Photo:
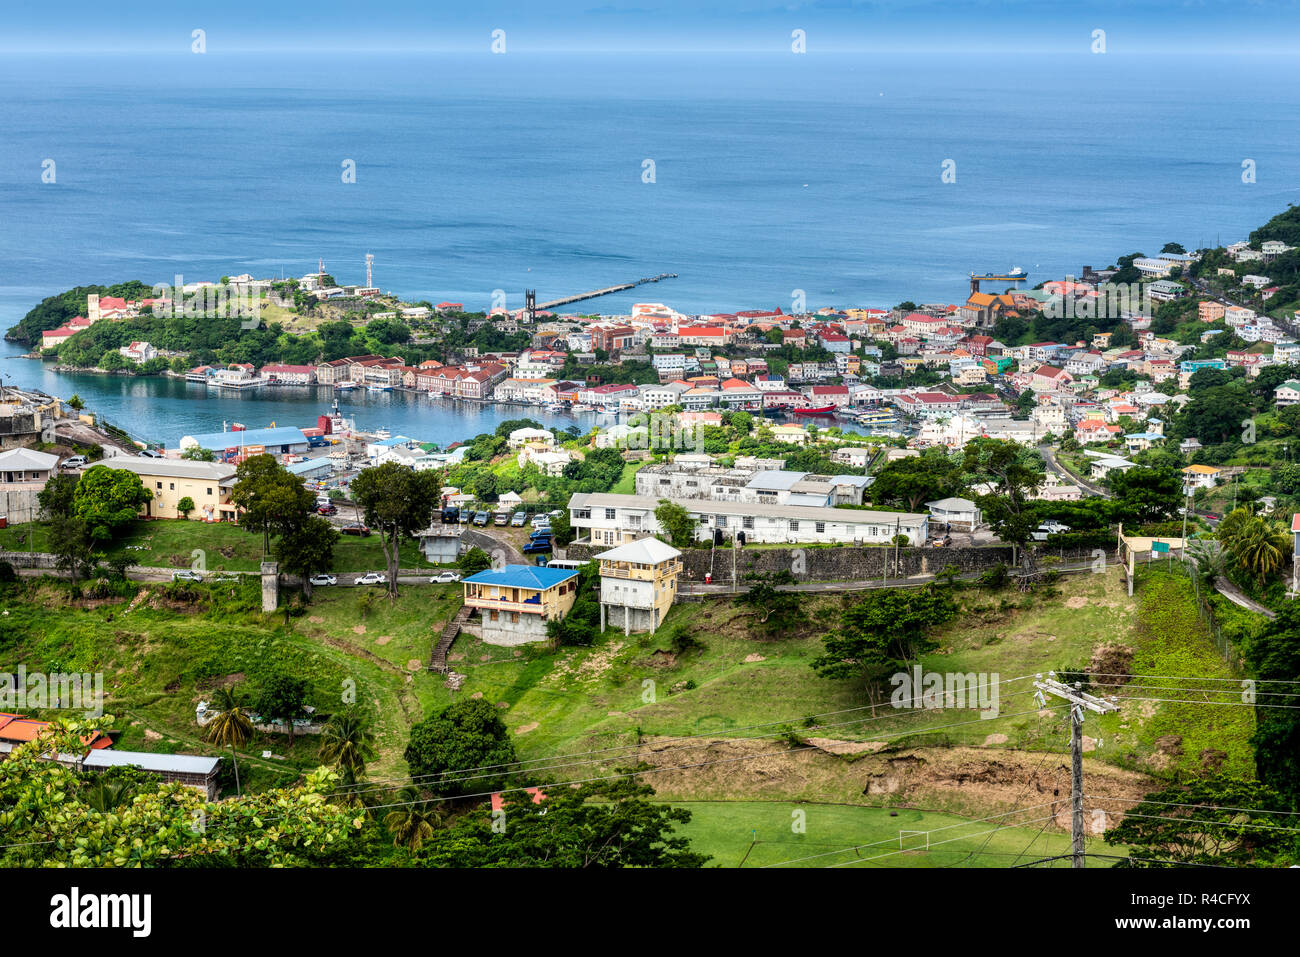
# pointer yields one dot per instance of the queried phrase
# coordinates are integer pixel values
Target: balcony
(498, 604)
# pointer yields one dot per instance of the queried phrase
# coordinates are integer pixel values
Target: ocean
(774, 176)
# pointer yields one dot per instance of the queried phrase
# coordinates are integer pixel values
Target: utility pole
(1078, 701)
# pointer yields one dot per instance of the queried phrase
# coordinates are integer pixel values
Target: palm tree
(348, 742)
(1209, 558)
(106, 796)
(231, 727)
(411, 822)
(1258, 546)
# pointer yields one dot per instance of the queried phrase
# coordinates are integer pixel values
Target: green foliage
(1221, 821)
(399, 502)
(463, 749)
(605, 824)
(887, 629)
(307, 548)
(582, 624)
(281, 697)
(475, 560)
(911, 482)
(677, 524)
(1274, 657)
(108, 500)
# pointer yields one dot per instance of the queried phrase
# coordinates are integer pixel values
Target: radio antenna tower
(370, 262)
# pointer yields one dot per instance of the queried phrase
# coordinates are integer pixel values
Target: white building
(609, 519)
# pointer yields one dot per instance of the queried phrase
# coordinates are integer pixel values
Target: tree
(910, 482)
(602, 824)
(281, 698)
(562, 530)
(884, 631)
(76, 403)
(412, 822)
(742, 422)
(230, 726)
(776, 613)
(307, 549)
(185, 506)
(199, 454)
(1008, 509)
(581, 625)
(47, 821)
(1273, 654)
(398, 501)
(1258, 546)
(107, 500)
(676, 522)
(1220, 821)
(56, 499)
(72, 545)
(463, 749)
(271, 499)
(475, 560)
(348, 742)
(1145, 495)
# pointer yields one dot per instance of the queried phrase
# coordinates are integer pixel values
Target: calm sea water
(476, 173)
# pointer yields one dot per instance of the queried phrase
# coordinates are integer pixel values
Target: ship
(820, 410)
(1015, 272)
(344, 386)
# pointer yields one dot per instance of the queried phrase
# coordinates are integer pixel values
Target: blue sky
(1178, 26)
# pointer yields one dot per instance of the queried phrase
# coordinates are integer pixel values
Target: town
(774, 513)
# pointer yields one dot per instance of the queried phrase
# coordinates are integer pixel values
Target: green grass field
(787, 834)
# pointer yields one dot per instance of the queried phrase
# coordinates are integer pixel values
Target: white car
(444, 578)
(542, 521)
(373, 578)
(323, 580)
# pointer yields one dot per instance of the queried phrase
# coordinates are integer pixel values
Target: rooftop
(522, 576)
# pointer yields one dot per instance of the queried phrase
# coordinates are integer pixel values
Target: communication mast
(370, 262)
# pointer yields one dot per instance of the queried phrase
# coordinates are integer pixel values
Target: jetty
(595, 293)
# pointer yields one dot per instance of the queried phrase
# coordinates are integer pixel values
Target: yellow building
(208, 483)
(638, 584)
(516, 602)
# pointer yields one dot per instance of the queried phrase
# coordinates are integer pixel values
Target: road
(1049, 458)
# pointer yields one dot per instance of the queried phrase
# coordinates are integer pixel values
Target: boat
(344, 386)
(379, 388)
(1017, 273)
(820, 410)
(580, 407)
(382, 434)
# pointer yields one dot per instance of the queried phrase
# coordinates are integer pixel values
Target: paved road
(1049, 457)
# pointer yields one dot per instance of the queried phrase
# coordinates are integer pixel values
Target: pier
(554, 303)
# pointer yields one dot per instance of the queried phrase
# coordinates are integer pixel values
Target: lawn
(789, 834)
(223, 546)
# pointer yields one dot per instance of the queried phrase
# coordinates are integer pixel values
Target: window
(611, 513)
(209, 491)
(159, 484)
(821, 527)
(794, 526)
(749, 521)
(171, 486)
(722, 521)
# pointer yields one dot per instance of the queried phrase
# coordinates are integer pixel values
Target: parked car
(466, 516)
(542, 521)
(224, 577)
(149, 454)
(540, 533)
(330, 509)
(482, 518)
(501, 518)
(444, 578)
(556, 513)
(186, 576)
(323, 579)
(355, 528)
(518, 519)
(450, 515)
(941, 542)
(538, 545)
(373, 578)
(74, 462)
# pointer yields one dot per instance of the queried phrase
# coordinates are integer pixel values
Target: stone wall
(836, 563)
